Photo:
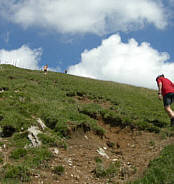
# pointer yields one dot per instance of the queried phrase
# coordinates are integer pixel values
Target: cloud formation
(130, 63)
(7, 37)
(171, 1)
(87, 16)
(23, 57)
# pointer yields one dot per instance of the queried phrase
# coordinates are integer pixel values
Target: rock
(114, 160)
(69, 161)
(1, 90)
(102, 153)
(41, 124)
(33, 132)
(56, 151)
(77, 177)
(132, 146)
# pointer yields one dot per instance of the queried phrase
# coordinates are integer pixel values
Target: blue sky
(128, 41)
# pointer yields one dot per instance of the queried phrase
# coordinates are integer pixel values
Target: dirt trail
(133, 149)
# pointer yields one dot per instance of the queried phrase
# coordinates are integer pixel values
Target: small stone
(115, 160)
(102, 153)
(56, 151)
(77, 177)
(132, 146)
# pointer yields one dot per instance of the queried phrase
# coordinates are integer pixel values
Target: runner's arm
(159, 88)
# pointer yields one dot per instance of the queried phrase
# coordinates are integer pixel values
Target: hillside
(59, 128)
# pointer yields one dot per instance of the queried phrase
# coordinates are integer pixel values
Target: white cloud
(85, 16)
(23, 57)
(131, 63)
(7, 37)
(171, 1)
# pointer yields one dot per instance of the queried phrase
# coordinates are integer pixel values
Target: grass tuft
(59, 170)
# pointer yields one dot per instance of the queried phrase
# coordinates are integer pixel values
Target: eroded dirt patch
(131, 148)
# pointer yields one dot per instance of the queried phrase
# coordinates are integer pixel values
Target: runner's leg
(169, 111)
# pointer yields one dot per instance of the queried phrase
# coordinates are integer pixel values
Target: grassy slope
(31, 94)
(161, 169)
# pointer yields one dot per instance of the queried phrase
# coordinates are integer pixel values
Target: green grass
(22, 161)
(51, 97)
(59, 170)
(11, 173)
(18, 153)
(160, 170)
(109, 172)
(37, 157)
(52, 140)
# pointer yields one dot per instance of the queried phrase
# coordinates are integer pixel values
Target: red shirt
(167, 85)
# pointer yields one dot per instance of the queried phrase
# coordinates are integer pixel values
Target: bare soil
(131, 148)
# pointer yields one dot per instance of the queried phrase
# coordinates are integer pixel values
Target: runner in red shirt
(166, 92)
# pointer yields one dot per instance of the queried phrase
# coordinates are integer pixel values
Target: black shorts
(168, 99)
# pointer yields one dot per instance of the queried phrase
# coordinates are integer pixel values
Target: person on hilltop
(45, 69)
(166, 92)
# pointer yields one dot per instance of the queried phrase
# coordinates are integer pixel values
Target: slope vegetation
(85, 130)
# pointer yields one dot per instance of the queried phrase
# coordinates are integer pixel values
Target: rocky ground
(132, 149)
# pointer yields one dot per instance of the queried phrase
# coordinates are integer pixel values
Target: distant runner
(166, 92)
(45, 69)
